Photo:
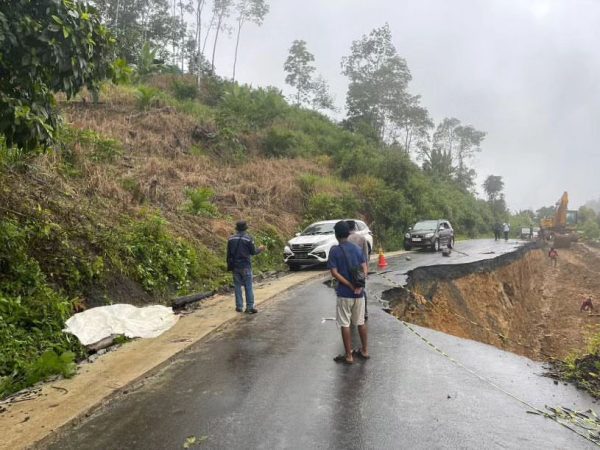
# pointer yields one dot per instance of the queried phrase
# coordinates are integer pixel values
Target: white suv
(313, 244)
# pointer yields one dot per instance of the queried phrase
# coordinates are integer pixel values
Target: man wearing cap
(240, 248)
(350, 299)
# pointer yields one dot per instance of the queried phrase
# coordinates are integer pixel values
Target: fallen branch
(180, 302)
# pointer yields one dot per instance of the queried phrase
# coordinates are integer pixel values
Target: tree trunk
(182, 35)
(212, 62)
(198, 36)
(237, 44)
(174, 14)
(117, 15)
(210, 25)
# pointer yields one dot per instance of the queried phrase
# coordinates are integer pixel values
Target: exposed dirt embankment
(517, 302)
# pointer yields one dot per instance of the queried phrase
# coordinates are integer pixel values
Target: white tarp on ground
(98, 323)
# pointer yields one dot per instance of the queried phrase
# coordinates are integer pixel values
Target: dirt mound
(522, 305)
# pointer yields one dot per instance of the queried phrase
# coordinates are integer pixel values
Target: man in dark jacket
(240, 249)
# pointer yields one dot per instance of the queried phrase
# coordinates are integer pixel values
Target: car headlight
(407, 235)
(288, 250)
(428, 235)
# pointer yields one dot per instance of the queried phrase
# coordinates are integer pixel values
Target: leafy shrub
(133, 186)
(147, 97)
(327, 206)
(54, 46)
(161, 263)
(274, 243)
(591, 230)
(50, 363)
(280, 142)
(308, 185)
(32, 314)
(184, 90)
(212, 89)
(252, 108)
(10, 158)
(200, 202)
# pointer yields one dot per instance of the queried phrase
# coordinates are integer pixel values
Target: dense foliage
(375, 180)
(46, 46)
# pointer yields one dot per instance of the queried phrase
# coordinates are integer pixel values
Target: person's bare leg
(362, 332)
(347, 339)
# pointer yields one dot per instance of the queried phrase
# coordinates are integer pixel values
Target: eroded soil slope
(524, 306)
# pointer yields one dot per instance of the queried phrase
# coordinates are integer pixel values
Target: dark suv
(433, 234)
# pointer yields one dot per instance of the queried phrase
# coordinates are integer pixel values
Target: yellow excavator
(562, 226)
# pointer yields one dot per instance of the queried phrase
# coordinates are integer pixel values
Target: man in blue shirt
(350, 299)
(240, 248)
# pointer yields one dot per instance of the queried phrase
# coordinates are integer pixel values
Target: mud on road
(517, 302)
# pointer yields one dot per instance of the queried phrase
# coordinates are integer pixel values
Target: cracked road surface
(268, 382)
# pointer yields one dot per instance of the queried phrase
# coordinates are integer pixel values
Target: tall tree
(493, 186)
(195, 62)
(56, 46)
(378, 82)
(222, 10)
(310, 90)
(438, 164)
(299, 69)
(135, 22)
(469, 143)
(414, 124)
(248, 11)
(456, 143)
(321, 95)
(185, 7)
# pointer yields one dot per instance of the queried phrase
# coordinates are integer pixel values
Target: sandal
(359, 354)
(342, 359)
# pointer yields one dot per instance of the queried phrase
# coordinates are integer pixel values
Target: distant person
(531, 233)
(587, 305)
(350, 308)
(240, 249)
(553, 255)
(497, 231)
(362, 243)
(506, 229)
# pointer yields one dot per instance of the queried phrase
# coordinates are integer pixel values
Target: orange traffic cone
(382, 262)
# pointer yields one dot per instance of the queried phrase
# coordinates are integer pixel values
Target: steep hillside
(136, 199)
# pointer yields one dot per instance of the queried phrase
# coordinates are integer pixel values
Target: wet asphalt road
(268, 382)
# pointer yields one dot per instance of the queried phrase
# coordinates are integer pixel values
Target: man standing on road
(506, 229)
(350, 300)
(240, 248)
(497, 230)
(361, 241)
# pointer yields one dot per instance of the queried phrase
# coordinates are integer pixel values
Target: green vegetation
(147, 97)
(200, 202)
(32, 314)
(54, 46)
(46, 270)
(582, 369)
(589, 224)
(104, 211)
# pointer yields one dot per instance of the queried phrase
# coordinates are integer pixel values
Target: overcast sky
(524, 71)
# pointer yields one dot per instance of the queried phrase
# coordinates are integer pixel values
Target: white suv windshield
(426, 225)
(318, 228)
